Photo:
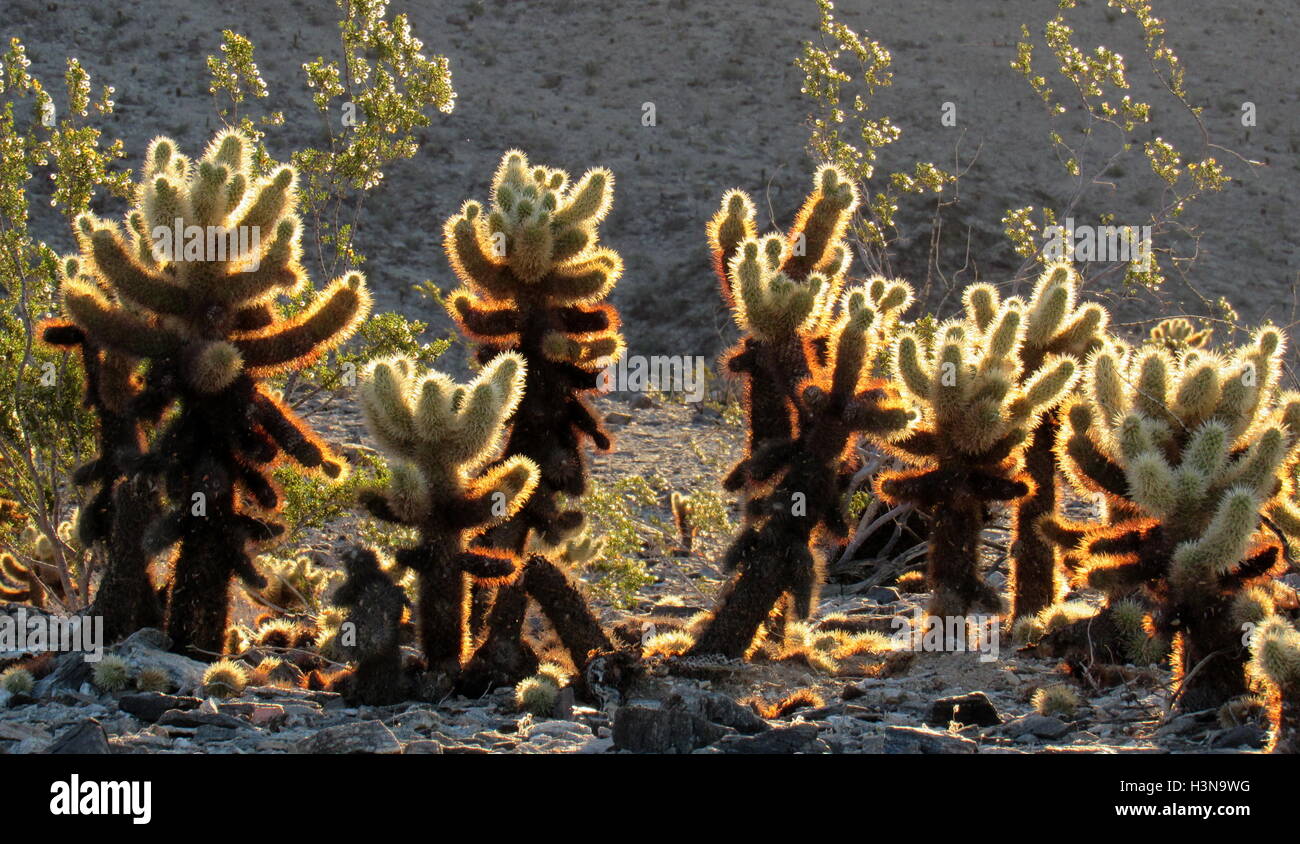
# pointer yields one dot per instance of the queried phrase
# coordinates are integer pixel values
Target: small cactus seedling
(1055, 324)
(537, 695)
(683, 520)
(1058, 699)
(370, 633)
(225, 679)
(1194, 448)
(795, 486)
(123, 503)
(534, 277)
(1275, 662)
(443, 438)
(1178, 335)
(188, 285)
(111, 674)
(980, 403)
(153, 679)
(17, 681)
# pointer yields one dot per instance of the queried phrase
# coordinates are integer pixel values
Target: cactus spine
(1192, 446)
(188, 285)
(980, 402)
(806, 356)
(442, 437)
(534, 277)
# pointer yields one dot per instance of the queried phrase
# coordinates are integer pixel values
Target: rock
(882, 595)
(150, 706)
(644, 730)
(640, 401)
(564, 703)
(210, 733)
(1042, 726)
(69, 673)
(1242, 735)
(149, 648)
(799, 738)
(718, 708)
(87, 737)
(362, 737)
(901, 740)
(969, 709)
(617, 418)
(423, 746)
(198, 718)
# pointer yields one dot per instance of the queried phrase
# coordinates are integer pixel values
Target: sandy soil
(567, 81)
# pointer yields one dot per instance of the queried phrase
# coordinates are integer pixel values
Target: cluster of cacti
(188, 286)
(1275, 663)
(806, 356)
(1188, 452)
(982, 391)
(36, 578)
(295, 585)
(442, 439)
(534, 277)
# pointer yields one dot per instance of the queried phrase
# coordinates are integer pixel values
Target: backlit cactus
(535, 276)
(373, 607)
(806, 359)
(1055, 324)
(442, 438)
(123, 503)
(1194, 448)
(1275, 662)
(782, 289)
(188, 286)
(981, 399)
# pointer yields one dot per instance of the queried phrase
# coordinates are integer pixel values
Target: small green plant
(537, 695)
(111, 674)
(153, 679)
(17, 680)
(1058, 699)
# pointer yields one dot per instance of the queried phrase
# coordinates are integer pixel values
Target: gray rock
(882, 595)
(150, 706)
(969, 709)
(87, 737)
(1042, 726)
(644, 730)
(909, 740)
(198, 718)
(424, 746)
(362, 737)
(718, 708)
(1242, 735)
(799, 738)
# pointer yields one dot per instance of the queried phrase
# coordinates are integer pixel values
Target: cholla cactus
(123, 503)
(684, 520)
(36, 579)
(534, 277)
(795, 485)
(1055, 324)
(781, 289)
(1194, 448)
(981, 400)
(374, 607)
(1275, 662)
(1178, 335)
(442, 438)
(188, 285)
(294, 585)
